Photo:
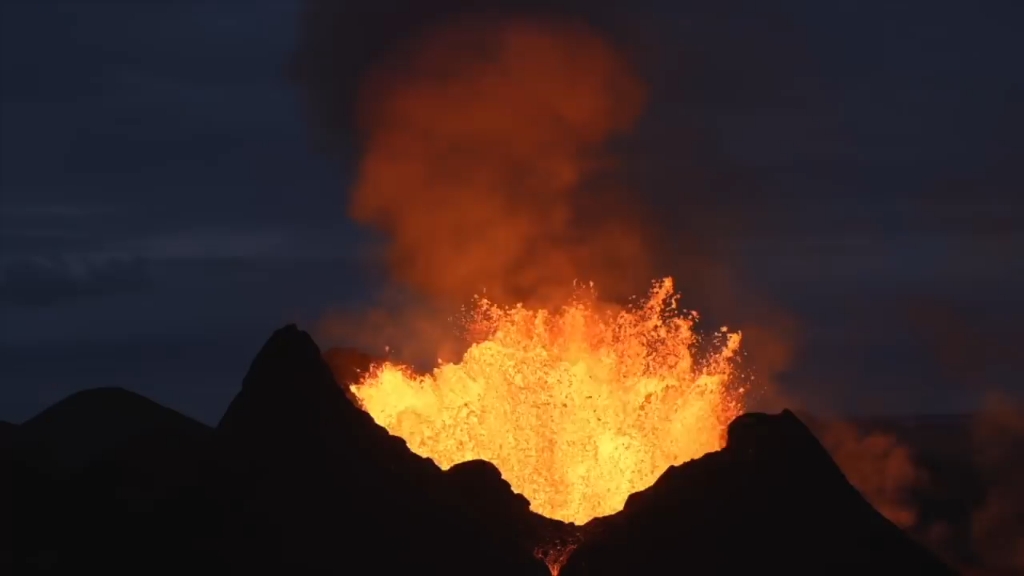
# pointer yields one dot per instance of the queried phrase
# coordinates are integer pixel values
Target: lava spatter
(578, 407)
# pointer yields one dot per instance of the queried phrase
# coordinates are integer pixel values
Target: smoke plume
(489, 143)
(479, 143)
(997, 528)
(541, 191)
(879, 466)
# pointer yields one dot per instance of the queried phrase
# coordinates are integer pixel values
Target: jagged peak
(286, 347)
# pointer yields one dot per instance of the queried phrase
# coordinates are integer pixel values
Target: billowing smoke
(485, 137)
(997, 528)
(880, 466)
(485, 161)
(514, 146)
(482, 140)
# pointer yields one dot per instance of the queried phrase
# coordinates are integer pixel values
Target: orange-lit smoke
(480, 142)
(879, 466)
(997, 528)
(486, 154)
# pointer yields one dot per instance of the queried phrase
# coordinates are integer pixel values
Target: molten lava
(578, 408)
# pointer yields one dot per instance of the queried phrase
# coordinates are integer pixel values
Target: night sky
(854, 167)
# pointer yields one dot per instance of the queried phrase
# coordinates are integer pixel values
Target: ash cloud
(478, 143)
(340, 42)
(515, 146)
(483, 137)
(997, 525)
(880, 466)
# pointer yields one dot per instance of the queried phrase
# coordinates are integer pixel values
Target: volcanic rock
(771, 501)
(942, 490)
(82, 427)
(106, 481)
(297, 479)
(314, 485)
(493, 502)
(7, 434)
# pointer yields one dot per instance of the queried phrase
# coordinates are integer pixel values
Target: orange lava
(556, 555)
(578, 408)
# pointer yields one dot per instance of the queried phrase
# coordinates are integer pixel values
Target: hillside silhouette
(297, 479)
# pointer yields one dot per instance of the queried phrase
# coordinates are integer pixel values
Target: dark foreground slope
(312, 484)
(7, 432)
(296, 479)
(105, 480)
(772, 499)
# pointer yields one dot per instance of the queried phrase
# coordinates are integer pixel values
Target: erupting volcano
(486, 164)
(578, 408)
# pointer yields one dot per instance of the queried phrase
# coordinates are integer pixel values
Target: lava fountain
(578, 407)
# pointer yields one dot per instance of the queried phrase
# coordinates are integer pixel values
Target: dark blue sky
(857, 164)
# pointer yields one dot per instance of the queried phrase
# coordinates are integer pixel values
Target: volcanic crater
(605, 441)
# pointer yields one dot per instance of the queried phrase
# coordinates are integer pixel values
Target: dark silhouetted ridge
(772, 499)
(297, 479)
(314, 483)
(108, 480)
(79, 428)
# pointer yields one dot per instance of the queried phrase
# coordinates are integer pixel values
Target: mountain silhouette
(314, 482)
(297, 479)
(772, 497)
(104, 480)
(82, 427)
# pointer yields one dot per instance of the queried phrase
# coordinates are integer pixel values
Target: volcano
(579, 405)
(297, 478)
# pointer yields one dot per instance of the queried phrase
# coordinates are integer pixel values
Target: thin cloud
(40, 283)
